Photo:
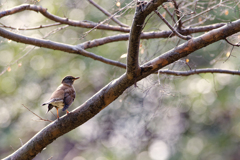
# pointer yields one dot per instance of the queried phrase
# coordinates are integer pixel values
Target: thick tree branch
(61, 20)
(107, 13)
(57, 46)
(114, 89)
(143, 9)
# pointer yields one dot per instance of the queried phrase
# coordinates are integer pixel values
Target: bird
(63, 96)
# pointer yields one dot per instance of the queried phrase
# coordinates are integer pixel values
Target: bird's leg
(67, 111)
(57, 114)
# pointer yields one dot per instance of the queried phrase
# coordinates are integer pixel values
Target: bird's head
(69, 80)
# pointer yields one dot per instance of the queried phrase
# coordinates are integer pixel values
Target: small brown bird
(63, 96)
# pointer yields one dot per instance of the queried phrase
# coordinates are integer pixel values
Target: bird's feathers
(50, 106)
(62, 97)
(68, 98)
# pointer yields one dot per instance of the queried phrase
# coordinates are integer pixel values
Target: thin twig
(202, 21)
(171, 15)
(21, 141)
(205, 11)
(229, 54)
(50, 33)
(16, 61)
(37, 115)
(50, 158)
(237, 45)
(107, 13)
(198, 71)
(86, 33)
(174, 31)
(179, 26)
(61, 20)
(31, 28)
(53, 114)
(233, 45)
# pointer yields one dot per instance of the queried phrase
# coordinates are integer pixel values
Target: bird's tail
(48, 102)
(50, 106)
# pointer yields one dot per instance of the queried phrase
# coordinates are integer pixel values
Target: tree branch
(114, 89)
(198, 71)
(61, 20)
(107, 13)
(31, 28)
(190, 46)
(174, 31)
(143, 9)
(148, 35)
(171, 15)
(57, 46)
(205, 11)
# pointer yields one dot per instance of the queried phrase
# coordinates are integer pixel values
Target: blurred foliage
(165, 117)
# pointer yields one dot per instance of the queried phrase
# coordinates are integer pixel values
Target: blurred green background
(164, 118)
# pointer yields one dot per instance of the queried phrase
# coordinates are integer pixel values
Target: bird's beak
(76, 78)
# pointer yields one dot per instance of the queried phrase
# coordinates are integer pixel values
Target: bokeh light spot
(195, 146)
(32, 91)
(203, 86)
(159, 150)
(8, 84)
(237, 92)
(198, 107)
(77, 14)
(37, 62)
(4, 117)
(79, 158)
(6, 57)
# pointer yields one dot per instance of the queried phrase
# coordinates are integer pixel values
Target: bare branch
(147, 35)
(31, 28)
(36, 114)
(198, 29)
(104, 21)
(179, 25)
(198, 71)
(237, 45)
(171, 15)
(143, 9)
(61, 20)
(191, 46)
(174, 31)
(205, 11)
(107, 14)
(57, 46)
(16, 61)
(114, 89)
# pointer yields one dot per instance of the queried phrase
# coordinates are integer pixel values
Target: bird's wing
(57, 95)
(69, 97)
